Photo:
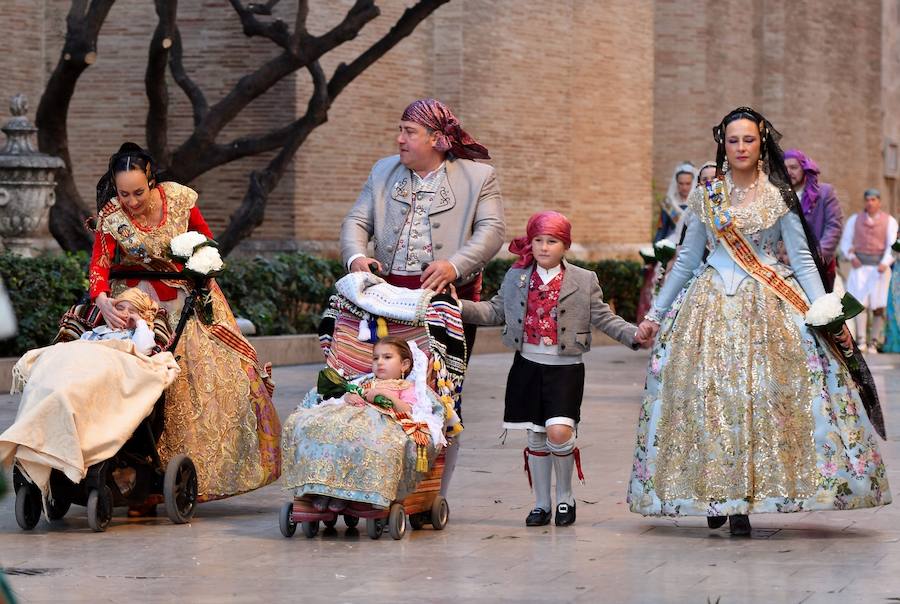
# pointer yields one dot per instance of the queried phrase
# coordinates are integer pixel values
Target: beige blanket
(81, 402)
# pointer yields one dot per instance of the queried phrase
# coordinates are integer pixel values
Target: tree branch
(79, 51)
(251, 213)
(191, 89)
(412, 16)
(276, 31)
(157, 124)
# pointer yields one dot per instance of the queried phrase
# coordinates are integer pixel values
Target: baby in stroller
(369, 448)
(141, 312)
(82, 400)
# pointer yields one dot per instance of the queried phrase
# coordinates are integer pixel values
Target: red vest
(540, 312)
(869, 235)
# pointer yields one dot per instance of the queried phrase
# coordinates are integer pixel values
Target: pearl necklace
(740, 194)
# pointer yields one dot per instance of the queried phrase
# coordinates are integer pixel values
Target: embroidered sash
(743, 252)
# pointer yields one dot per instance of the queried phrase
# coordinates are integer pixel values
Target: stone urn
(27, 186)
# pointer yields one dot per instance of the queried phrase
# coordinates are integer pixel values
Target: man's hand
(882, 267)
(855, 262)
(453, 292)
(361, 265)
(438, 275)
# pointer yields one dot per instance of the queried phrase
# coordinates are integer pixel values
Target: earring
(759, 165)
(724, 166)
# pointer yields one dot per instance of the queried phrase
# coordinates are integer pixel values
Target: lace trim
(762, 213)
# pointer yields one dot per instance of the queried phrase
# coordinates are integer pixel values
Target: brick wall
(585, 106)
(811, 66)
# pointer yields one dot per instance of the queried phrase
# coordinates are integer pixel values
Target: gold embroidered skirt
(744, 412)
(218, 410)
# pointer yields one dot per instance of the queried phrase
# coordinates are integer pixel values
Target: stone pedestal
(27, 186)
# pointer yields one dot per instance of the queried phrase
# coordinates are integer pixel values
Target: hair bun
(129, 147)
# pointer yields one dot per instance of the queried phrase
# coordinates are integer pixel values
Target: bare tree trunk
(68, 214)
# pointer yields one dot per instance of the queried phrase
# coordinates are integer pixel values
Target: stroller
(345, 352)
(175, 483)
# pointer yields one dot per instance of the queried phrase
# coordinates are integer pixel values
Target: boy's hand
(647, 332)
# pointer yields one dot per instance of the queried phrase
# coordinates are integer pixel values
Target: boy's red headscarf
(435, 115)
(543, 223)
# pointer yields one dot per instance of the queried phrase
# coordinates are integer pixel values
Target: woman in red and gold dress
(219, 410)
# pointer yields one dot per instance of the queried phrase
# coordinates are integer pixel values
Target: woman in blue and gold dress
(746, 409)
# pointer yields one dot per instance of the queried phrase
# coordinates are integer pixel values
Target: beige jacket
(580, 307)
(467, 225)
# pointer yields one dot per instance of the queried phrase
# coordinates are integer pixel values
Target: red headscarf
(435, 115)
(549, 223)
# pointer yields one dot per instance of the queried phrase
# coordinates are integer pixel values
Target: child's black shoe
(565, 514)
(538, 517)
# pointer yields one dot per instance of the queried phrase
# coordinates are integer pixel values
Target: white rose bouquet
(199, 253)
(896, 245)
(648, 254)
(830, 312)
(664, 250)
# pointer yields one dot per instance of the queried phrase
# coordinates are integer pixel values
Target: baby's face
(129, 309)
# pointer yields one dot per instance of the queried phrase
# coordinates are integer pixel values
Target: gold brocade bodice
(139, 244)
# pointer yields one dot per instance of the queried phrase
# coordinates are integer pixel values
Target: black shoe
(715, 522)
(565, 514)
(538, 517)
(739, 525)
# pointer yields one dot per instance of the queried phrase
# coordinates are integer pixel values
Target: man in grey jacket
(432, 213)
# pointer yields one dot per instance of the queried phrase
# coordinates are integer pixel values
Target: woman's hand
(453, 292)
(845, 339)
(115, 318)
(647, 332)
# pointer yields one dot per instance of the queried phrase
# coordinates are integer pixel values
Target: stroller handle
(190, 304)
(154, 275)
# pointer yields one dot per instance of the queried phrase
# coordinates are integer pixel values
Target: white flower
(206, 260)
(647, 252)
(664, 243)
(824, 310)
(183, 245)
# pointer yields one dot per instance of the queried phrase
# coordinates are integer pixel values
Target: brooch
(400, 188)
(522, 280)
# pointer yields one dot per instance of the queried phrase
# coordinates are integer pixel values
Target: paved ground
(233, 550)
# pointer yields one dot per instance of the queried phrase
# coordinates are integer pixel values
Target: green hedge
(41, 290)
(620, 280)
(281, 295)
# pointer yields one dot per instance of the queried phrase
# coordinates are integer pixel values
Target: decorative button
(516, 340)
(435, 225)
(562, 311)
(562, 346)
(438, 246)
(562, 329)
(520, 320)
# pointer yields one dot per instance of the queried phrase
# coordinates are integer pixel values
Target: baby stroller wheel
(285, 523)
(56, 508)
(417, 521)
(440, 513)
(28, 506)
(99, 508)
(180, 489)
(397, 521)
(310, 529)
(374, 527)
(351, 521)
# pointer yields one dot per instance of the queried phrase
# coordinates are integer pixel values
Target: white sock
(563, 464)
(541, 467)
